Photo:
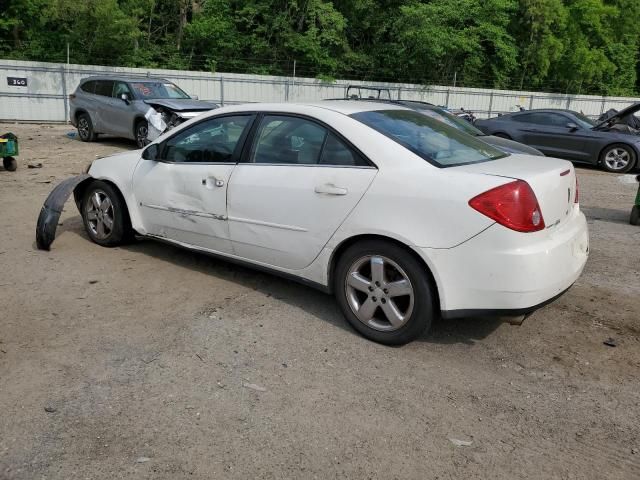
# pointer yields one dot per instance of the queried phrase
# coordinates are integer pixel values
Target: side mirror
(151, 152)
(572, 126)
(125, 98)
(194, 97)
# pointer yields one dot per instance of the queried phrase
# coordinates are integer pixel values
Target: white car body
(292, 219)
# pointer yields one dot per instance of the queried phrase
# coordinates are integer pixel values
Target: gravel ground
(152, 362)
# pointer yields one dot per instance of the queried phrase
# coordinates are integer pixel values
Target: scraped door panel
(184, 202)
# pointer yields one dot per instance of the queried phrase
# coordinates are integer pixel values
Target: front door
(299, 183)
(117, 113)
(183, 194)
(549, 133)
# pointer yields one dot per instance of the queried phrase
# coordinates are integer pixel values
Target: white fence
(44, 98)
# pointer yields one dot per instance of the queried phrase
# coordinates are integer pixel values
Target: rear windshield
(451, 119)
(155, 90)
(436, 142)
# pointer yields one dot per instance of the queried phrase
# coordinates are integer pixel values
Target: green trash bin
(9, 150)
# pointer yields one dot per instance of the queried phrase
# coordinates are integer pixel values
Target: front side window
(156, 90)
(216, 140)
(119, 88)
(434, 141)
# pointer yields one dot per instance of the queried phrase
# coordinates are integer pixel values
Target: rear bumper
(502, 272)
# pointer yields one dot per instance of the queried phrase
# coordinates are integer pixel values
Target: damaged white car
(140, 109)
(402, 217)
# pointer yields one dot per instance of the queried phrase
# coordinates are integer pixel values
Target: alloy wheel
(100, 214)
(617, 158)
(379, 293)
(141, 135)
(83, 128)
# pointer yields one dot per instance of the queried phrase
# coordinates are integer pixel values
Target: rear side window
(282, 139)
(434, 141)
(88, 87)
(104, 87)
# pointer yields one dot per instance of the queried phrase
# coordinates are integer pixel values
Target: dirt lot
(143, 355)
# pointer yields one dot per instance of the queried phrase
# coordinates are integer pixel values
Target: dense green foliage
(577, 46)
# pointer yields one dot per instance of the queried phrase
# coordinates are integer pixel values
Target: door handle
(330, 189)
(213, 181)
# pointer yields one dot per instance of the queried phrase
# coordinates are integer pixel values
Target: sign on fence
(16, 81)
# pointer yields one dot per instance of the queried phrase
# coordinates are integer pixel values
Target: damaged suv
(136, 108)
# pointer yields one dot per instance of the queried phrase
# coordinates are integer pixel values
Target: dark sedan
(572, 135)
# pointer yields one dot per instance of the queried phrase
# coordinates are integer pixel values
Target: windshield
(450, 119)
(155, 90)
(584, 121)
(436, 142)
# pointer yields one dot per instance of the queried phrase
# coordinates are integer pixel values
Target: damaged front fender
(52, 209)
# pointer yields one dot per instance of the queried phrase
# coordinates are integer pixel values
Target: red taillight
(513, 205)
(576, 198)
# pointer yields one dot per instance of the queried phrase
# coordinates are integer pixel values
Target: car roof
(346, 107)
(120, 78)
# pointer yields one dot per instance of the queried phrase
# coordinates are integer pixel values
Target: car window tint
(88, 87)
(540, 118)
(432, 140)
(211, 141)
(120, 88)
(292, 140)
(104, 87)
(335, 152)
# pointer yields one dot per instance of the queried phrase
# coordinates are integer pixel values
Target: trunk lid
(552, 180)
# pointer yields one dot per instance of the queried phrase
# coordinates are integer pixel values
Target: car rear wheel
(142, 131)
(105, 215)
(384, 292)
(85, 128)
(617, 158)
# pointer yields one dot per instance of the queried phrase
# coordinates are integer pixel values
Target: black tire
(10, 164)
(502, 135)
(85, 128)
(120, 231)
(619, 147)
(422, 311)
(141, 131)
(634, 218)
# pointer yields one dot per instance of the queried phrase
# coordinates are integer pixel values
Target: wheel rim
(379, 293)
(617, 158)
(100, 214)
(141, 137)
(83, 128)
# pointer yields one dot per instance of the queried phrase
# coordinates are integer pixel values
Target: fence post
(604, 100)
(222, 91)
(531, 102)
(65, 99)
(446, 102)
(490, 104)
(286, 91)
(568, 102)
(399, 92)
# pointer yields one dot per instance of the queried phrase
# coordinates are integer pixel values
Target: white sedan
(402, 217)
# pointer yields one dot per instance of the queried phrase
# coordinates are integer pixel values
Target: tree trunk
(182, 21)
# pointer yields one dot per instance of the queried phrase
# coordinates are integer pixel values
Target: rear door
(298, 183)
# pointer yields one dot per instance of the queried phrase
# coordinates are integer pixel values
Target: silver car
(125, 107)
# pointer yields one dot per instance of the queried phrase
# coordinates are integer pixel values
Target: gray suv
(122, 107)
